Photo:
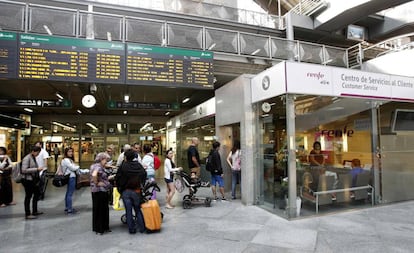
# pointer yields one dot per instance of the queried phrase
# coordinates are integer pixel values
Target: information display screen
(69, 59)
(151, 65)
(8, 52)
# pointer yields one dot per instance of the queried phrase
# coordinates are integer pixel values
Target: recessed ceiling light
(28, 109)
(185, 100)
(125, 112)
(59, 96)
(167, 113)
(79, 111)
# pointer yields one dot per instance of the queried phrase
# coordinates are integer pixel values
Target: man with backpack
(129, 178)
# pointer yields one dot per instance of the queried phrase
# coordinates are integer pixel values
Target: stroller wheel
(123, 219)
(187, 197)
(187, 204)
(207, 202)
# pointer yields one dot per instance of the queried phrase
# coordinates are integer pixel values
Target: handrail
(384, 44)
(175, 7)
(306, 7)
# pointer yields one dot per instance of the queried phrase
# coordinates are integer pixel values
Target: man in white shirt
(121, 156)
(137, 148)
(41, 159)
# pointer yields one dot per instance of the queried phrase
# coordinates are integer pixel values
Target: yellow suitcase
(152, 215)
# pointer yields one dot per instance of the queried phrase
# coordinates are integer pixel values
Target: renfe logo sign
(313, 79)
(337, 132)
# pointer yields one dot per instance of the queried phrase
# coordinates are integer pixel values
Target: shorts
(168, 180)
(217, 179)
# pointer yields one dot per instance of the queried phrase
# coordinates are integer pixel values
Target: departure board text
(8, 52)
(169, 67)
(69, 59)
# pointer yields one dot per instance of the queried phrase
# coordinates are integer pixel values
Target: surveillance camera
(93, 88)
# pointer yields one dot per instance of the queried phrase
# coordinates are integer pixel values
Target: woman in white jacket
(69, 168)
(169, 169)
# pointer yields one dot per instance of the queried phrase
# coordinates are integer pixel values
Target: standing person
(99, 188)
(69, 168)
(148, 162)
(316, 158)
(121, 156)
(109, 169)
(31, 179)
(129, 179)
(216, 171)
(193, 157)
(6, 189)
(56, 153)
(137, 148)
(41, 159)
(233, 159)
(169, 169)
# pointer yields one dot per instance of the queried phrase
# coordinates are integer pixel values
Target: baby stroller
(146, 194)
(183, 179)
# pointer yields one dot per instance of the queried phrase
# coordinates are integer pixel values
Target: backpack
(157, 162)
(209, 166)
(17, 172)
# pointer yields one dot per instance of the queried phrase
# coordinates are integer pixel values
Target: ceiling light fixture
(59, 96)
(72, 129)
(79, 111)
(167, 113)
(91, 126)
(126, 98)
(185, 100)
(125, 112)
(27, 109)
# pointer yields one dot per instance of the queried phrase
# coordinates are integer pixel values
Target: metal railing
(308, 7)
(197, 8)
(104, 26)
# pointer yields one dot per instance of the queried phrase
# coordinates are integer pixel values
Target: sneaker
(223, 198)
(74, 211)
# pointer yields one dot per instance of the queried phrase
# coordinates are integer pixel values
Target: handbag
(60, 179)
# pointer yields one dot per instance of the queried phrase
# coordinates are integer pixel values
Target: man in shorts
(216, 172)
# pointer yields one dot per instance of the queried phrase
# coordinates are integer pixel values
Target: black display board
(70, 59)
(8, 55)
(151, 65)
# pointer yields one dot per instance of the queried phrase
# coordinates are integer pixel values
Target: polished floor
(226, 226)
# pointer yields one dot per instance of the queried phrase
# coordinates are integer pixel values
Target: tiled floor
(226, 226)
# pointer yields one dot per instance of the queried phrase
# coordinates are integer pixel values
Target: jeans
(133, 200)
(235, 177)
(69, 192)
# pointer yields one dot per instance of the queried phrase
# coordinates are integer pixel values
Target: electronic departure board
(69, 59)
(150, 65)
(8, 52)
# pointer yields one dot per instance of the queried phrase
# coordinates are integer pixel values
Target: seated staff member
(316, 158)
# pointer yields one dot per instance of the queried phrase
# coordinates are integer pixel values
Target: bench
(325, 190)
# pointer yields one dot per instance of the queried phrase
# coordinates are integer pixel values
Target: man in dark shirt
(194, 157)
